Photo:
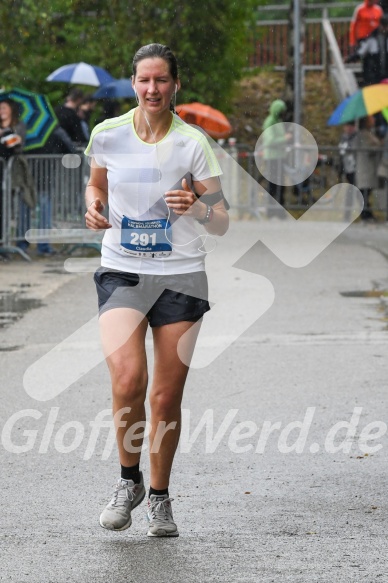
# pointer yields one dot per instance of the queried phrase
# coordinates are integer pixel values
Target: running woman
(161, 179)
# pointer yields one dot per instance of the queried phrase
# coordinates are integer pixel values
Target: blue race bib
(146, 238)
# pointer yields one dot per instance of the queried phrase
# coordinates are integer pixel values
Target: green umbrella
(36, 112)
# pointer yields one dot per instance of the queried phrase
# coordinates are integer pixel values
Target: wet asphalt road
(248, 509)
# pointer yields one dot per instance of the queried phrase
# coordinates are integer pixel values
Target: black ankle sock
(157, 492)
(131, 473)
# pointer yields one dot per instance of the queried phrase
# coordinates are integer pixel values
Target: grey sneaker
(159, 514)
(127, 495)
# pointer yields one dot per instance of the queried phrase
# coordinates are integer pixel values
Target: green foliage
(211, 41)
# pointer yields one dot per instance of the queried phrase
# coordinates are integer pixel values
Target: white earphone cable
(203, 237)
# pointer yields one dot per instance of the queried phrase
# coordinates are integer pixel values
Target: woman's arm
(96, 198)
(186, 202)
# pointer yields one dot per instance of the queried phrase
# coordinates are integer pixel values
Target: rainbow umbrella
(366, 101)
(385, 110)
(36, 112)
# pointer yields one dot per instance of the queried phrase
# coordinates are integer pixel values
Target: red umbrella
(211, 120)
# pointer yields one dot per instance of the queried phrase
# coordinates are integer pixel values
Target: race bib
(146, 238)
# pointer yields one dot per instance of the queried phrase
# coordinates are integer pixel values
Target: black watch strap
(207, 217)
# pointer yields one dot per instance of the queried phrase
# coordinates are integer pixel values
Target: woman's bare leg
(166, 396)
(123, 333)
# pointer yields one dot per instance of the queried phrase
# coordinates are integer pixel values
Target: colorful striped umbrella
(366, 101)
(36, 112)
(385, 110)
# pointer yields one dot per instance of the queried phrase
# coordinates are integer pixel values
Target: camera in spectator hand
(9, 139)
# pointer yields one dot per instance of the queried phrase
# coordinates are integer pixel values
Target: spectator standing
(366, 19)
(84, 112)
(367, 159)
(274, 141)
(382, 170)
(68, 118)
(347, 154)
(13, 136)
(348, 162)
(110, 108)
(373, 51)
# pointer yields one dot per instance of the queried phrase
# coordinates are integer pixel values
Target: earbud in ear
(176, 88)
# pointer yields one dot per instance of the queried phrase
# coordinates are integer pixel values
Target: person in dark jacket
(68, 118)
(12, 139)
(84, 112)
(373, 52)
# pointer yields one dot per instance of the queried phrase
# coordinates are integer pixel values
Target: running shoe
(159, 514)
(127, 495)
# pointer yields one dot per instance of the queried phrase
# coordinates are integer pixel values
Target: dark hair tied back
(156, 50)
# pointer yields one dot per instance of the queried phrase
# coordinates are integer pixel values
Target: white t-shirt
(139, 174)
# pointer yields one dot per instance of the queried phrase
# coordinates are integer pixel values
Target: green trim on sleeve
(185, 129)
(110, 124)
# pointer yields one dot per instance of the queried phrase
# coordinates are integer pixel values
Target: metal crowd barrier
(60, 195)
(247, 188)
(10, 207)
(60, 185)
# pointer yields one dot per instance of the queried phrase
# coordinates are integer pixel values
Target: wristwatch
(208, 217)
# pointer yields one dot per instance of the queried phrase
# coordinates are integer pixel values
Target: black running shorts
(163, 299)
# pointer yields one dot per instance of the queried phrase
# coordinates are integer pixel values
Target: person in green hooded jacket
(275, 140)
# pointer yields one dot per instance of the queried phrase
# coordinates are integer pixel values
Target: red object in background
(211, 120)
(366, 18)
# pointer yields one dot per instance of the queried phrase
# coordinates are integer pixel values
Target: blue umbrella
(36, 112)
(114, 89)
(337, 115)
(81, 73)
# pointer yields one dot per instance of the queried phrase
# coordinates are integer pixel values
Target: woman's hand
(12, 140)
(182, 202)
(94, 219)
(17, 139)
